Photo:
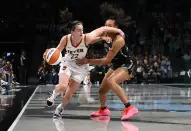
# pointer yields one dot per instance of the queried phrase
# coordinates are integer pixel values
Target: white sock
(61, 106)
(54, 94)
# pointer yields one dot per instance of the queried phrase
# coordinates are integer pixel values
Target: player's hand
(109, 64)
(44, 54)
(121, 33)
(107, 39)
(82, 61)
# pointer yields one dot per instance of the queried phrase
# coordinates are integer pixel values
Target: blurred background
(160, 38)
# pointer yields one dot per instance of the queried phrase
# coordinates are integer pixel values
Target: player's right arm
(99, 32)
(62, 44)
(105, 38)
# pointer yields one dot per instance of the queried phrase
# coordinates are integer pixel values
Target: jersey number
(74, 56)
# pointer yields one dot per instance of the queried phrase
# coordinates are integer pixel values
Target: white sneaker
(58, 111)
(50, 101)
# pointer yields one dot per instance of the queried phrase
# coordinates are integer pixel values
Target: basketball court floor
(162, 108)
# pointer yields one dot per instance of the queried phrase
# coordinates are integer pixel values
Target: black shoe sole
(49, 104)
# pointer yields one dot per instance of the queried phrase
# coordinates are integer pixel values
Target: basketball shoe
(100, 112)
(50, 101)
(58, 111)
(129, 112)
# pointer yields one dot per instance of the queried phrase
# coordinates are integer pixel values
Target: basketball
(53, 56)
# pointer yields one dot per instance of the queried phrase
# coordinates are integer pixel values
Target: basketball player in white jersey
(72, 74)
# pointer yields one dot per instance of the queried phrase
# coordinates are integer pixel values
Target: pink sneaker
(129, 112)
(129, 127)
(100, 112)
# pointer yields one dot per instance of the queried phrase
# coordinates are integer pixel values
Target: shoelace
(99, 111)
(126, 110)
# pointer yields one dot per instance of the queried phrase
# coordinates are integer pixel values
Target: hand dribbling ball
(53, 56)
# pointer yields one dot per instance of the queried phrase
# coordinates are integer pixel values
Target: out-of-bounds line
(22, 111)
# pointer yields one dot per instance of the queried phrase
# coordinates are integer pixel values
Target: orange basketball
(53, 56)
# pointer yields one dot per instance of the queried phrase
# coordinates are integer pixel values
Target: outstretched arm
(105, 38)
(117, 45)
(92, 36)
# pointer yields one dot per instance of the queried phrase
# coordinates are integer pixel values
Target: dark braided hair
(122, 21)
(108, 11)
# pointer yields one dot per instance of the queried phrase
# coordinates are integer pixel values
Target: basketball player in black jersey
(123, 68)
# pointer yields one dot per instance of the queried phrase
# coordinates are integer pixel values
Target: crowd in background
(159, 38)
(162, 52)
(48, 74)
(13, 70)
(150, 69)
(6, 74)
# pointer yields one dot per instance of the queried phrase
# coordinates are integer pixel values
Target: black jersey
(123, 56)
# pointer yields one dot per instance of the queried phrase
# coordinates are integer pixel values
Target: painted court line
(22, 111)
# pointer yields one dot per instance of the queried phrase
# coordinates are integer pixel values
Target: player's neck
(113, 36)
(76, 40)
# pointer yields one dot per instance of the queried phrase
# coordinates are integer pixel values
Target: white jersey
(73, 53)
(78, 52)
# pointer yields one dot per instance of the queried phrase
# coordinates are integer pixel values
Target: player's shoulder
(119, 39)
(65, 38)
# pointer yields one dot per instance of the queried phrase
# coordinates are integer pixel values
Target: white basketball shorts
(74, 71)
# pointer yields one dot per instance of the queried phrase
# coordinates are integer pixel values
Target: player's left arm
(107, 39)
(98, 33)
(117, 45)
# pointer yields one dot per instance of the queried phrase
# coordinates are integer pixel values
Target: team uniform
(68, 64)
(124, 59)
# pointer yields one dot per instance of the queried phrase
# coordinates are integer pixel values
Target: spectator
(55, 76)
(164, 67)
(9, 73)
(41, 75)
(155, 72)
(186, 58)
(23, 68)
(146, 69)
(139, 73)
(168, 67)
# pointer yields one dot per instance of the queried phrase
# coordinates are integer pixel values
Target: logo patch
(64, 67)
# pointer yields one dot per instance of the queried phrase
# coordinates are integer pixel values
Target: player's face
(78, 31)
(110, 23)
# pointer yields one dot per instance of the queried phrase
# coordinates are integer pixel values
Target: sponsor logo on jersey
(76, 51)
(64, 67)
